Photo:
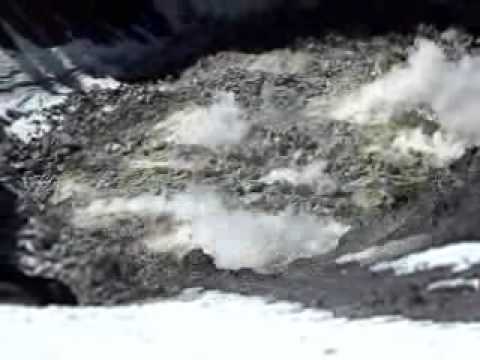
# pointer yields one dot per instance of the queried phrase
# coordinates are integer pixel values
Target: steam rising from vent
(452, 89)
(312, 174)
(234, 238)
(222, 123)
(441, 148)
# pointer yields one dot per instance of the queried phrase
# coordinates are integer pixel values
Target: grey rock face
(11, 223)
(94, 149)
(16, 287)
(109, 264)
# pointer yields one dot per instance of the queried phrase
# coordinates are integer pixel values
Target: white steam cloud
(234, 238)
(221, 124)
(451, 88)
(312, 174)
(442, 148)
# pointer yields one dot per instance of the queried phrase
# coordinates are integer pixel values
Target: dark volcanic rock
(444, 214)
(18, 288)
(108, 264)
(93, 147)
(15, 286)
(10, 224)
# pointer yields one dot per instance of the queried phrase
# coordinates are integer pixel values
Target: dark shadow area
(15, 286)
(49, 22)
(31, 28)
(52, 22)
(20, 289)
(10, 224)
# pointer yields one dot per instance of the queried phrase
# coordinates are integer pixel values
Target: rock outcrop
(106, 134)
(16, 287)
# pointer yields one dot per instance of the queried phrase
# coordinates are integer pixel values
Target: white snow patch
(220, 124)
(473, 284)
(215, 326)
(29, 127)
(234, 238)
(20, 94)
(89, 83)
(459, 257)
(389, 250)
(312, 174)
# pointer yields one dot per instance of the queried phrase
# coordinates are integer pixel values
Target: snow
(89, 83)
(472, 284)
(380, 253)
(34, 100)
(29, 127)
(459, 257)
(220, 326)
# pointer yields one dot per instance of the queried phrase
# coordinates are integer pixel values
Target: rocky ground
(101, 189)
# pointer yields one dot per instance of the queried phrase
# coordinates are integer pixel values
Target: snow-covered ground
(459, 257)
(221, 326)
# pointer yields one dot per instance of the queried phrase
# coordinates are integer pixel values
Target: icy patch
(459, 257)
(32, 102)
(29, 99)
(440, 147)
(22, 98)
(234, 238)
(452, 284)
(451, 89)
(209, 326)
(312, 174)
(29, 127)
(221, 124)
